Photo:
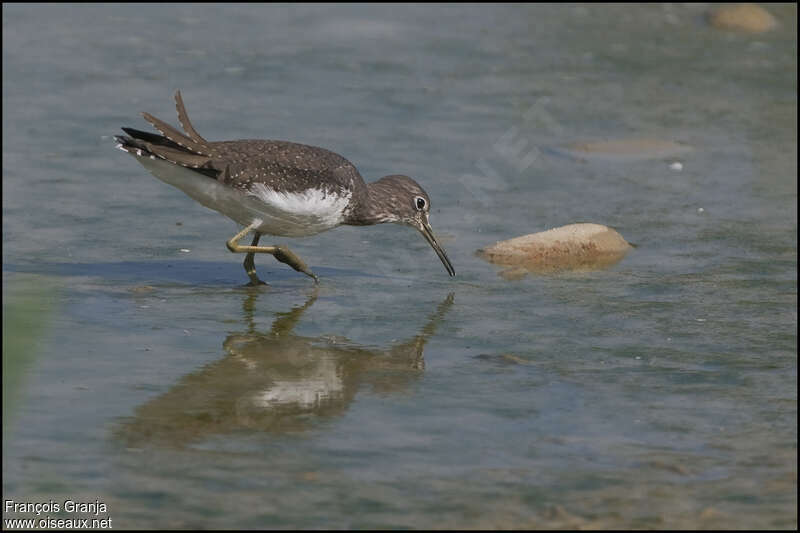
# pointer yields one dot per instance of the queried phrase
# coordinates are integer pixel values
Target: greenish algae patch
(28, 303)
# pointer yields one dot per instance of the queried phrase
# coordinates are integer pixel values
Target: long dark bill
(427, 232)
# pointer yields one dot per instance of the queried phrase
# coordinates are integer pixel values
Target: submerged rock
(750, 18)
(582, 247)
(626, 149)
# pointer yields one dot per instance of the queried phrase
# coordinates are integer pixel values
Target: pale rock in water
(582, 247)
(749, 18)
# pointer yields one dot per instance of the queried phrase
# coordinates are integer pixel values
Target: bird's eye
(419, 202)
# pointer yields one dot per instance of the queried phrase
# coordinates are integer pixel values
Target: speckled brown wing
(281, 165)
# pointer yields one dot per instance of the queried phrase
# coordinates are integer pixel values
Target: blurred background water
(659, 393)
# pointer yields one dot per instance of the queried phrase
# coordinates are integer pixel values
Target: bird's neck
(371, 205)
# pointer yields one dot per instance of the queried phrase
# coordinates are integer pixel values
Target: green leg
(281, 253)
(285, 255)
(250, 264)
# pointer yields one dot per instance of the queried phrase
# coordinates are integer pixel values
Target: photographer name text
(94, 508)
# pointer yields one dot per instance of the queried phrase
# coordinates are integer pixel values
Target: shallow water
(659, 393)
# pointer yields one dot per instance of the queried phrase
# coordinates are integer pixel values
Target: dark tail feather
(131, 145)
(151, 138)
(183, 118)
(190, 151)
(180, 157)
(175, 136)
(160, 147)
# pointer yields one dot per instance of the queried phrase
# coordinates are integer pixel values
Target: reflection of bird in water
(278, 382)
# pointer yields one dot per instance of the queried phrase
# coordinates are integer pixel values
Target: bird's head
(401, 200)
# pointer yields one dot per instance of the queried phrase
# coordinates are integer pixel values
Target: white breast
(316, 206)
(285, 214)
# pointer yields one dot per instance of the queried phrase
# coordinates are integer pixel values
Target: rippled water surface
(660, 392)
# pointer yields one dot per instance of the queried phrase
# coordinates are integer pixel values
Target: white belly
(288, 215)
